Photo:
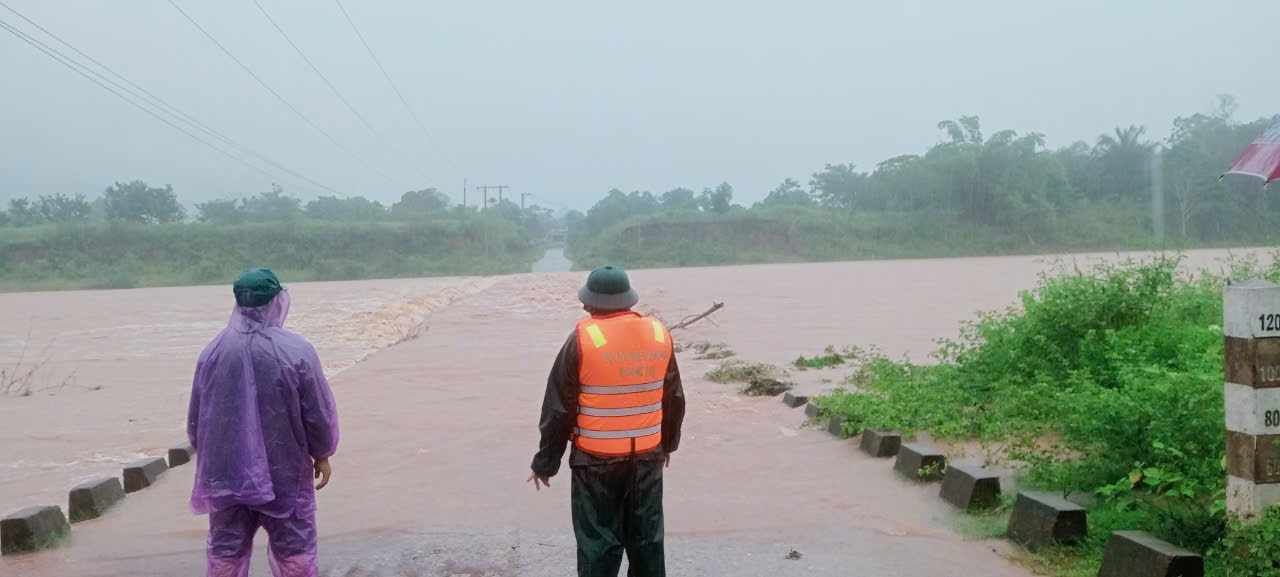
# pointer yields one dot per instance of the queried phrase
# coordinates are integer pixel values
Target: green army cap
(608, 289)
(256, 287)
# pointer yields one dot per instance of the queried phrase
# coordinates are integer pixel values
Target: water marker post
(1251, 326)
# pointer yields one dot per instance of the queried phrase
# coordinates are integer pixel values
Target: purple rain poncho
(261, 411)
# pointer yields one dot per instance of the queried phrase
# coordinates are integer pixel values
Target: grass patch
(828, 359)
(989, 524)
(738, 371)
(759, 379)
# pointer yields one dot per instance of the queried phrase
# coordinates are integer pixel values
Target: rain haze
(566, 100)
(723, 288)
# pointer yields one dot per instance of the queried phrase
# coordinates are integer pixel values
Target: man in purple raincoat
(263, 423)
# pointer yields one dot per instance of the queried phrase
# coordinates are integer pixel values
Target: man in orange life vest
(615, 392)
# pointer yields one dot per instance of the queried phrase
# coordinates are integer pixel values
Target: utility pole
(486, 188)
(1157, 195)
(464, 192)
(523, 196)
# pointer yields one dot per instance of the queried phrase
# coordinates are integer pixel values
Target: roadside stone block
(793, 400)
(1138, 554)
(835, 426)
(32, 529)
(141, 474)
(1042, 519)
(920, 462)
(971, 488)
(181, 455)
(812, 411)
(881, 444)
(90, 499)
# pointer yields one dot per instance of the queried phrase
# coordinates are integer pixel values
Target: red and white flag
(1262, 157)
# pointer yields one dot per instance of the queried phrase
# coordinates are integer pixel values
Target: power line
(276, 94)
(426, 134)
(164, 106)
(363, 120)
(102, 82)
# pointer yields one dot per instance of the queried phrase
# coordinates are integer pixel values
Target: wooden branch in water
(693, 319)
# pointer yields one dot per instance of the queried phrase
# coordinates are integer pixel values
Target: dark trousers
(618, 507)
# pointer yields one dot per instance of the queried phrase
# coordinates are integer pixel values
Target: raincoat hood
(254, 319)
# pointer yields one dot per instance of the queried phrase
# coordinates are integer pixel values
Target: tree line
(137, 202)
(1008, 181)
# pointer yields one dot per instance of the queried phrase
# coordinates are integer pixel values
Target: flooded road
(439, 429)
(553, 261)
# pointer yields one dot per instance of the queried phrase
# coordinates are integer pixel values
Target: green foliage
(1107, 381)
(737, 371)
(759, 379)
(829, 358)
(273, 206)
(418, 203)
(223, 212)
(718, 200)
(136, 202)
(1251, 550)
(47, 209)
(839, 186)
(971, 194)
(119, 255)
(789, 193)
(63, 208)
(350, 209)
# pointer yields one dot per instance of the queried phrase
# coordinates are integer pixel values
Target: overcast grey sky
(565, 100)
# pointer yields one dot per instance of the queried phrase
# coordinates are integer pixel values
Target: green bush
(1251, 550)
(1106, 381)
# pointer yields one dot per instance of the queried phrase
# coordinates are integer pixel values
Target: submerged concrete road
(438, 433)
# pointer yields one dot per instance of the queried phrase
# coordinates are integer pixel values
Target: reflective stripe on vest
(597, 337)
(622, 390)
(626, 412)
(622, 370)
(618, 434)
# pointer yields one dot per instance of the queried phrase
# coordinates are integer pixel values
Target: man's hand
(666, 462)
(539, 481)
(323, 472)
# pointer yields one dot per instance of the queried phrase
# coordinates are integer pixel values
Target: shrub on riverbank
(1107, 381)
(128, 255)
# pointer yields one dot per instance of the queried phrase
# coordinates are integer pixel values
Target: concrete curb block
(971, 488)
(90, 499)
(920, 462)
(1041, 519)
(793, 400)
(141, 474)
(835, 426)
(33, 529)
(1138, 554)
(181, 455)
(881, 444)
(812, 411)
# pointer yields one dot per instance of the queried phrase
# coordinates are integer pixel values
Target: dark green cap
(608, 289)
(256, 287)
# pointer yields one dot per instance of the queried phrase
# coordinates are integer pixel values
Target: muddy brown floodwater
(439, 383)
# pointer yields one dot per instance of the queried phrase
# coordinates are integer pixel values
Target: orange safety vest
(622, 370)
